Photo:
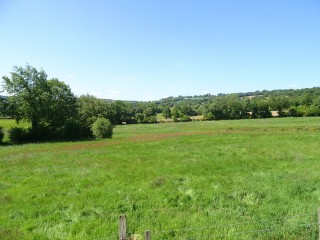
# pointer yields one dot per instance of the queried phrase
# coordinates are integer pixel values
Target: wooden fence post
(147, 235)
(122, 227)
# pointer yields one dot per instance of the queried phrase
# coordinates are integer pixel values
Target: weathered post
(147, 235)
(122, 227)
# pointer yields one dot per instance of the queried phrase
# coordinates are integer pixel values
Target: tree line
(55, 113)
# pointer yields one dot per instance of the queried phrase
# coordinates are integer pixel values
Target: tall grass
(244, 179)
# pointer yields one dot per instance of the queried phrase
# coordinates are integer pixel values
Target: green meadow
(241, 179)
(9, 123)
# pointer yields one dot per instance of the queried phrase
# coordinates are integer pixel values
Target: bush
(185, 118)
(72, 130)
(18, 135)
(313, 111)
(1, 134)
(175, 118)
(292, 112)
(41, 133)
(102, 128)
(302, 110)
(208, 116)
(153, 119)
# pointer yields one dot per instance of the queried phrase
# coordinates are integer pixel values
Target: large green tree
(121, 113)
(279, 103)
(235, 107)
(38, 100)
(219, 108)
(91, 108)
(62, 104)
(166, 112)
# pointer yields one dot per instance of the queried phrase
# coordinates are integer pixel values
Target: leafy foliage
(18, 135)
(102, 128)
(28, 88)
(55, 113)
(257, 104)
(61, 104)
(90, 108)
(185, 118)
(37, 99)
(166, 112)
(73, 130)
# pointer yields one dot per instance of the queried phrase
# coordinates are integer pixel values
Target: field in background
(162, 119)
(9, 123)
(242, 179)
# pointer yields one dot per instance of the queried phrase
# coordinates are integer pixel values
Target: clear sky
(150, 49)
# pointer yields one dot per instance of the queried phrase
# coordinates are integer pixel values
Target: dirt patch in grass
(162, 136)
(136, 138)
(82, 146)
(101, 144)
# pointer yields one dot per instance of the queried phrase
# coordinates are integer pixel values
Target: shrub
(40, 134)
(313, 111)
(72, 130)
(175, 118)
(153, 119)
(292, 112)
(1, 134)
(207, 115)
(302, 110)
(185, 118)
(18, 135)
(75, 130)
(139, 117)
(145, 119)
(102, 128)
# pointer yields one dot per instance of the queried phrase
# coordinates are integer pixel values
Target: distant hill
(291, 93)
(258, 104)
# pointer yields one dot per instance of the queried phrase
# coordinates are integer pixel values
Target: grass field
(9, 123)
(244, 179)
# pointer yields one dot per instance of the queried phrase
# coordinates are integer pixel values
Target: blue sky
(150, 49)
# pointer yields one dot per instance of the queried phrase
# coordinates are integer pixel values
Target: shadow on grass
(3, 144)
(7, 143)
